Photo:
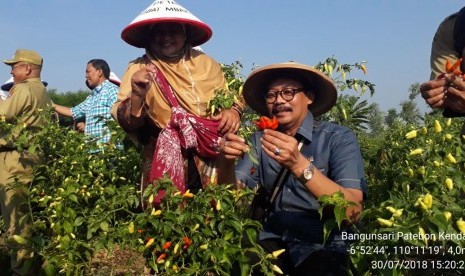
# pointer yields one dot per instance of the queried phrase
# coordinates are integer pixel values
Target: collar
(29, 80)
(100, 86)
(306, 128)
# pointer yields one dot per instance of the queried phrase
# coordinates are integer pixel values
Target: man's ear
(29, 69)
(310, 96)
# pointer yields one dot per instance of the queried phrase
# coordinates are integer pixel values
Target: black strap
(278, 184)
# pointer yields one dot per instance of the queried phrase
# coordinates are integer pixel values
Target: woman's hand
(232, 147)
(230, 121)
(140, 84)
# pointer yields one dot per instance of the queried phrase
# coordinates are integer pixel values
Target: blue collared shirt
(96, 109)
(295, 218)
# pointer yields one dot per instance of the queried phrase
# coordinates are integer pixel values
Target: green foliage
(80, 198)
(409, 194)
(338, 206)
(70, 98)
(225, 97)
(84, 196)
(83, 199)
(200, 234)
(343, 69)
(351, 113)
(348, 110)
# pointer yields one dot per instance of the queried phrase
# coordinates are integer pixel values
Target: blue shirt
(294, 218)
(96, 109)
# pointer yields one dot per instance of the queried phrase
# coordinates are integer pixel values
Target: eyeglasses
(18, 65)
(287, 94)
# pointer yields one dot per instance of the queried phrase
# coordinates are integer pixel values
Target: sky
(393, 36)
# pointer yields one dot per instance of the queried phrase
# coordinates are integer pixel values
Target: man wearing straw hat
(300, 161)
(28, 96)
(164, 95)
(96, 107)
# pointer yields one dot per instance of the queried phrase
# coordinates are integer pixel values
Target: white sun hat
(198, 48)
(161, 11)
(114, 79)
(4, 95)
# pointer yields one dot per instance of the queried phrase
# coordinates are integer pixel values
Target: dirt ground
(118, 262)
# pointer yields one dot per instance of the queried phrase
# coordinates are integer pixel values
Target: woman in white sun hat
(164, 94)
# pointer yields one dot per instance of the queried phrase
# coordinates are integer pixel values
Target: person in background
(96, 107)
(445, 90)
(164, 95)
(315, 158)
(80, 123)
(6, 87)
(27, 97)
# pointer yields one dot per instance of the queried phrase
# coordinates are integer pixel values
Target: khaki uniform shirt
(26, 98)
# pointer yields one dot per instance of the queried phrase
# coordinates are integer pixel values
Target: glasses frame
(280, 92)
(18, 65)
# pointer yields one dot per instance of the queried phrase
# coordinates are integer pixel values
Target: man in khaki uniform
(27, 96)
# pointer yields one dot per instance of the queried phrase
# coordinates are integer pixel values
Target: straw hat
(9, 83)
(160, 11)
(114, 79)
(256, 84)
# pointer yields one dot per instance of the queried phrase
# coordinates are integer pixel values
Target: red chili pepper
(448, 66)
(187, 241)
(252, 170)
(161, 257)
(452, 68)
(166, 245)
(267, 123)
(213, 203)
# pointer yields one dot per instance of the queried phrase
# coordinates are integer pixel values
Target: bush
(84, 199)
(417, 195)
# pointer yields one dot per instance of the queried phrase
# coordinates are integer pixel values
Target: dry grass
(118, 261)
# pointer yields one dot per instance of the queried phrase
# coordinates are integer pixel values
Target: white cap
(4, 95)
(198, 48)
(114, 79)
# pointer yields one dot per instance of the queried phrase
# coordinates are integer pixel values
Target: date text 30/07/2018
(418, 264)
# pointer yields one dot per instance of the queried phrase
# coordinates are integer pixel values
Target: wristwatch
(308, 172)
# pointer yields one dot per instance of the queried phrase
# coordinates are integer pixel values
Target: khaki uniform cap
(23, 55)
